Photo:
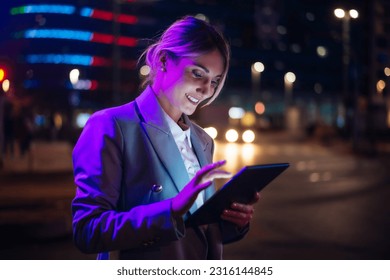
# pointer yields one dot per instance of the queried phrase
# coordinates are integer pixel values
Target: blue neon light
(74, 59)
(86, 12)
(58, 34)
(44, 8)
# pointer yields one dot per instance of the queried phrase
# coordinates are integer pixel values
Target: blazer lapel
(165, 146)
(161, 138)
(200, 145)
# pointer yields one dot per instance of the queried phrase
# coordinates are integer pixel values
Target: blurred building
(74, 57)
(377, 104)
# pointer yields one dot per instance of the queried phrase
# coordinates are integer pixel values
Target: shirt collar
(176, 130)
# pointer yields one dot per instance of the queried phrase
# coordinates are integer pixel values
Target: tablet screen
(240, 188)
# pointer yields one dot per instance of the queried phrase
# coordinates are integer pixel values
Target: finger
(238, 218)
(202, 186)
(206, 169)
(244, 208)
(253, 201)
(236, 214)
(256, 198)
(217, 174)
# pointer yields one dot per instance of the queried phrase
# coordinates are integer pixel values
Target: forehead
(212, 62)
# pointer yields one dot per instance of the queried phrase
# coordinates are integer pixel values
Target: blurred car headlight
(212, 131)
(231, 135)
(248, 136)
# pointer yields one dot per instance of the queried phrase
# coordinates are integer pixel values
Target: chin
(189, 112)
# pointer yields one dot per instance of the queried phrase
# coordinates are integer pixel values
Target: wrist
(174, 213)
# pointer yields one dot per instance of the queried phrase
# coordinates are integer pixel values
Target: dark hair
(187, 37)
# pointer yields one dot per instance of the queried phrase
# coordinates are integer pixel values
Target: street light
(350, 102)
(291, 112)
(74, 75)
(289, 79)
(256, 69)
(346, 16)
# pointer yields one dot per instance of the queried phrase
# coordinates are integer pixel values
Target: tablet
(240, 188)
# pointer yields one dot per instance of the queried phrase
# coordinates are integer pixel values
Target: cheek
(172, 80)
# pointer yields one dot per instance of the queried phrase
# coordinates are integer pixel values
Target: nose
(206, 88)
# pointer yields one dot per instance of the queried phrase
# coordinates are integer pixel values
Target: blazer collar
(152, 114)
(159, 135)
(150, 110)
(163, 143)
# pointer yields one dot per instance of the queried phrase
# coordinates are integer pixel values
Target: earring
(163, 69)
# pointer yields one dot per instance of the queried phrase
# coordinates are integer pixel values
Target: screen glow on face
(189, 81)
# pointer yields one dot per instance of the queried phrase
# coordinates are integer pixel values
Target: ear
(163, 59)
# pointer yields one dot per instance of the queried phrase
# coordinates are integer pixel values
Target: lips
(192, 99)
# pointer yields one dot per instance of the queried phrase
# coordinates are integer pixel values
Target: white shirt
(183, 142)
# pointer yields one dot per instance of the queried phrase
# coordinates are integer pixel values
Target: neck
(166, 105)
(182, 124)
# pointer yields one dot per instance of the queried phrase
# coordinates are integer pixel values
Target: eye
(197, 73)
(214, 84)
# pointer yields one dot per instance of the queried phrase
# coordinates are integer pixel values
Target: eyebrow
(205, 69)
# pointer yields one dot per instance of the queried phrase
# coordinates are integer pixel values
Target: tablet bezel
(240, 188)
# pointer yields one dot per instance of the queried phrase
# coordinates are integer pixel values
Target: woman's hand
(240, 214)
(203, 179)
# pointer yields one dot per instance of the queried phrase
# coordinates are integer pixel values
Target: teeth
(192, 99)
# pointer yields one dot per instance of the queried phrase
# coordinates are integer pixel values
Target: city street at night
(329, 204)
(115, 116)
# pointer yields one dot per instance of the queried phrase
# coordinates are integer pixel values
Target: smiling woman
(143, 167)
(183, 83)
(189, 38)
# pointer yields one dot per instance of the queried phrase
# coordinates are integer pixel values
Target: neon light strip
(58, 34)
(68, 10)
(77, 35)
(53, 9)
(109, 16)
(129, 19)
(76, 59)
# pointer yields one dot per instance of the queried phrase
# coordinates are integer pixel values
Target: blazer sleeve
(98, 225)
(231, 233)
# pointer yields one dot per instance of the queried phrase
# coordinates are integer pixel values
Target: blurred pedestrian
(23, 128)
(9, 129)
(141, 168)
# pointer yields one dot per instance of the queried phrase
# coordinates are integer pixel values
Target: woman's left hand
(240, 214)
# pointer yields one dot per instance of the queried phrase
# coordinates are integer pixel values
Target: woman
(142, 167)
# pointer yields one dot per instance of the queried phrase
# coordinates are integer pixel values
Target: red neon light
(102, 38)
(100, 14)
(100, 61)
(127, 41)
(129, 64)
(129, 19)
(109, 39)
(122, 18)
(94, 85)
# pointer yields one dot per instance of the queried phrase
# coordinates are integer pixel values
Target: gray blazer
(127, 167)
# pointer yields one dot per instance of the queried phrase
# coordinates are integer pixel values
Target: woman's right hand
(202, 179)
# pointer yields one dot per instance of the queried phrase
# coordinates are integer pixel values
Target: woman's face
(188, 81)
